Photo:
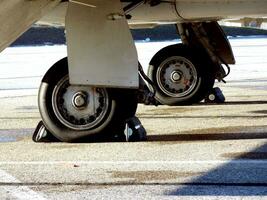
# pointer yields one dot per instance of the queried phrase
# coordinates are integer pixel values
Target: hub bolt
(79, 100)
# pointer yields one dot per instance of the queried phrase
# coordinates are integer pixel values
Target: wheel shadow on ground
(15, 135)
(205, 137)
(210, 134)
(233, 103)
(160, 116)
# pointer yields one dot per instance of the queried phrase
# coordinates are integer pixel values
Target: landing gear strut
(72, 112)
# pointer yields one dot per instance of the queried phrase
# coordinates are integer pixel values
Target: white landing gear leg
(101, 50)
(94, 90)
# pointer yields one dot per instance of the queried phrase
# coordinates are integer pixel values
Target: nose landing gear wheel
(72, 112)
(182, 75)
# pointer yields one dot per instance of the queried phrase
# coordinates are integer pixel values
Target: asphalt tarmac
(193, 152)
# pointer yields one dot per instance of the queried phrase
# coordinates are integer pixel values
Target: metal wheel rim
(177, 77)
(84, 117)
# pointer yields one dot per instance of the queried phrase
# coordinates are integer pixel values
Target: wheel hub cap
(79, 107)
(177, 77)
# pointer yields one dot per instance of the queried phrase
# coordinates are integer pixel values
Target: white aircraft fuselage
(178, 11)
(17, 16)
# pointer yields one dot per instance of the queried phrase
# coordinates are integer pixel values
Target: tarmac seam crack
(123, 183)
(127, 162)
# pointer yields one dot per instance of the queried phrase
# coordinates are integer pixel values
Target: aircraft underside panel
(101, 50)
(181, 11)
(198, 11)
(17, 16)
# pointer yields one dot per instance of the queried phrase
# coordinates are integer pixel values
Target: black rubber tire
(122, 105)
(202, 64)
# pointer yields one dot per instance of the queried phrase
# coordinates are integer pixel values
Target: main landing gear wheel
(182, 75)
(72, 112)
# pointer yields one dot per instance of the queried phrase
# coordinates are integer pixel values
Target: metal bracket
(212, 39)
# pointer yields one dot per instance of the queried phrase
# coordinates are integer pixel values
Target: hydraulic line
(133, 5)
(145, 77)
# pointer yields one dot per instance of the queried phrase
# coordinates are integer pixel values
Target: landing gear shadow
(133, 132)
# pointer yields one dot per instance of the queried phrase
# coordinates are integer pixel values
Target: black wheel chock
(215, 96)
(41, 134)
(133, 132)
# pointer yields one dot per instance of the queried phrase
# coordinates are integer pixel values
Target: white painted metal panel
(55, 17)
(198, 10)
(191, 10)
(221, 9)
(16, 16)
(101, 50)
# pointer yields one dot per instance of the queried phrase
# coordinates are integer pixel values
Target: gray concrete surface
(193, 152)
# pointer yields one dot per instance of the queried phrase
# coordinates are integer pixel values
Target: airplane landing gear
(182, 75)
(185, 73)
(72, 112)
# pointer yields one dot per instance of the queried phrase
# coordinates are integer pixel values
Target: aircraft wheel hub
(177, 77)
(79, 107)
